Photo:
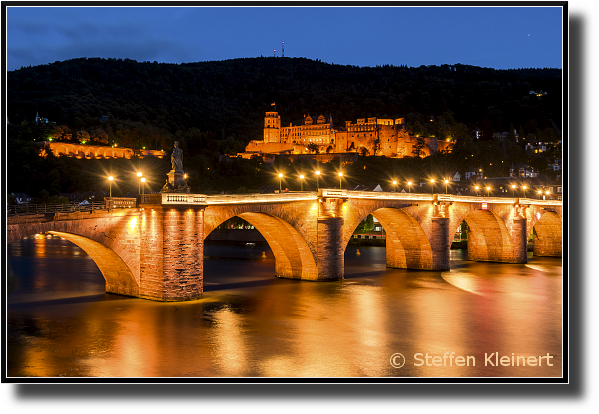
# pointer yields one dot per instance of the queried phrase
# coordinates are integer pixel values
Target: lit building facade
(367, 136)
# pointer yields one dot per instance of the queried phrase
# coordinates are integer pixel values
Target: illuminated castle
(368, 136)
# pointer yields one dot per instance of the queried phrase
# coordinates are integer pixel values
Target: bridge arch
(110, 239)
(118, 276)
(501, 233)
(290, 238)
(293, 258)
(547, 234)
(408, 246)
(488, 237)
(407, 233)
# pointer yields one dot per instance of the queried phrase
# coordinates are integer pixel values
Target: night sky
(501, 38)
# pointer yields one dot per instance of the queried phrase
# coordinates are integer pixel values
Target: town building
(63, 149)
(367, 136)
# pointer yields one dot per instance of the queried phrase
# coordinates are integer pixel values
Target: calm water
(61, 322)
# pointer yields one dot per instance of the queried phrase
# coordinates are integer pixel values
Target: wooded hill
(216, 108)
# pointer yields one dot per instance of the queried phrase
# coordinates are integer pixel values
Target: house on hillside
(523, 171)
(473, 173)
(361, 187)
(22, 198)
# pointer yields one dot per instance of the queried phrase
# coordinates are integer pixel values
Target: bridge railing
(261, 198)
(29, 209)
(120, 202)
(383, 195)
(201, 199)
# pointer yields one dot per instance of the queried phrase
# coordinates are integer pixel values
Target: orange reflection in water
(291, 328)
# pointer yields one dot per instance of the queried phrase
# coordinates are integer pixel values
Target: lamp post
(110, 184)
(301, 182)
(524, 189)
(513, 190)
(476, 188)
(488, 189)
(317, 175)
(546, 192)
(139, 184)
(340, 176)
(446, 182)
(432, 186)
(409, 186)
(394, 185)
(142, 183)
(280, 178)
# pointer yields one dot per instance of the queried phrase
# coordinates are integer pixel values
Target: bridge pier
(440, 244)
(329, 241)
(329, 257)
(171, 252)
(519, 240)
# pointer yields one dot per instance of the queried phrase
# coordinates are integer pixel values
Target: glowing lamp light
(133, 223)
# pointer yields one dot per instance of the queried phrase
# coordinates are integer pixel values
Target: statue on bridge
(177, 159)
(177, 179)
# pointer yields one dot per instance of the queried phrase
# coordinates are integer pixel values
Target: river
(377, 322)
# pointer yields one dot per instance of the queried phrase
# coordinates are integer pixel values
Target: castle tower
(272, 127)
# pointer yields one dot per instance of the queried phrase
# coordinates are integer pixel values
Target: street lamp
(476, 188)
(280, 178)
(432, 186)
(409, 186)
(488, 189)
(110, 183)
(340, 176)
(394, 185)
(143, 181)
(513, 190)
(317, 175)
(302, 182)
(539, 193)
(446, 182)
(139, 184)
(524, 189)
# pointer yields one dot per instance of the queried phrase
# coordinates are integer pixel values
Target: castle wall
(386, 137)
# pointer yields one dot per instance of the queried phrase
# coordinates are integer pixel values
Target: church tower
(272, 127)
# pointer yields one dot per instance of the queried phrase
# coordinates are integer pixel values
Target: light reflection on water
(249, 323)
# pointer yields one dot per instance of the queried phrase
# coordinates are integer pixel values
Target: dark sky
(504, 37)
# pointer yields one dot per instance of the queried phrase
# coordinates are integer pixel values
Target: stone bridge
(154, 249)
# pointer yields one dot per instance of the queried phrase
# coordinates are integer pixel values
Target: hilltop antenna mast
(283, 50)
(275, 53)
